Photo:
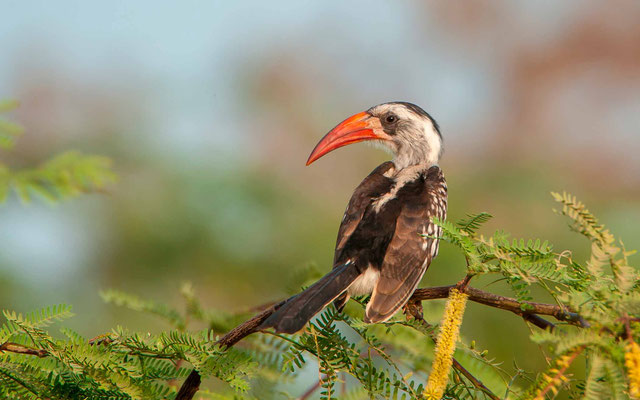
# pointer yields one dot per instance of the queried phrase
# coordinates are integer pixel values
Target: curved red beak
(356, 128)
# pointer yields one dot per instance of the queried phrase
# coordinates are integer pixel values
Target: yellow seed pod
(632, 362)
(446, 345)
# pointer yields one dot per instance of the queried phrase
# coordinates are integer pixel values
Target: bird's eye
(391, 119)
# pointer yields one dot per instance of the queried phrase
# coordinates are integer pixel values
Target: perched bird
(387, 238)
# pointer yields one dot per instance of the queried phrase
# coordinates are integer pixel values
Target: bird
(387, 238)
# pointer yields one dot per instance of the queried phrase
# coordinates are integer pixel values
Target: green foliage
(135, 303)
(8, 130)
(65, 175)
(117, 365)
(603, 291)
(471, 224)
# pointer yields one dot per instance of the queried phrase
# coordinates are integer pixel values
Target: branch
(523, 309)
(248, 327)
(539, 321)
(192, 383)
(559, 376)
(474, 380)
(310, 391)
(20, 349)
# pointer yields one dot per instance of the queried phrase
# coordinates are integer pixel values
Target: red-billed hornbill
(387, 238)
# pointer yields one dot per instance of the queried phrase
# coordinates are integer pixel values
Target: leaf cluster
(65, 175)
(603, 290)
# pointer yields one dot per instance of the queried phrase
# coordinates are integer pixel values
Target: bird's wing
(413, 247)
(371, 187)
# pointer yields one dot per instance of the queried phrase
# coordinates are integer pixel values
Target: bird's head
(406, 130)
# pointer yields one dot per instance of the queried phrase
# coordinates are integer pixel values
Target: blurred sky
(209, 110)
(187, 56)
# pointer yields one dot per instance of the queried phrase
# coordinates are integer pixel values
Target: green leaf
(473, 222)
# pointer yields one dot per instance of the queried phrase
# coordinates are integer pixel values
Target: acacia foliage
(604, 291)
(64, 175)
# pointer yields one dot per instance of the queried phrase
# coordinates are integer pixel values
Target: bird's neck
(406, 173)
(411, 160)
(416, 156)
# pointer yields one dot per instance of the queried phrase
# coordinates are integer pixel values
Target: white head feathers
(412, 135)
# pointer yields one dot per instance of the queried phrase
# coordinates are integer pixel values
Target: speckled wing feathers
(413, 247)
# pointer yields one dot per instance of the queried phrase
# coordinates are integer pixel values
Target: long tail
(295, 313)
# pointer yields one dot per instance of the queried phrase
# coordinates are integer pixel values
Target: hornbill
(387, 237)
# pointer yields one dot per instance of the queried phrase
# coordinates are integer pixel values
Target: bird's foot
(413, 310)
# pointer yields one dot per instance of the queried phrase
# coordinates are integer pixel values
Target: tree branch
(310, 391)
(474, 380)
(539, 321)
(20, 349)
(524, 308)
(248, 327)
(192, 383)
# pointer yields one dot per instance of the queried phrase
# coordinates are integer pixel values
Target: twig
(310, 391)
(560, 371)
(464, 283)
(539, 321)
(192, 383)
(190, 386)
(474, 380)
(20, 349)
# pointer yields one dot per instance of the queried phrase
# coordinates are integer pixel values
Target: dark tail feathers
(295, 313)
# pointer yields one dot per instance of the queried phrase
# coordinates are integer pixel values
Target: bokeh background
(210, 109)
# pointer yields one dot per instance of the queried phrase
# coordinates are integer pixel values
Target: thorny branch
(530, 311)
